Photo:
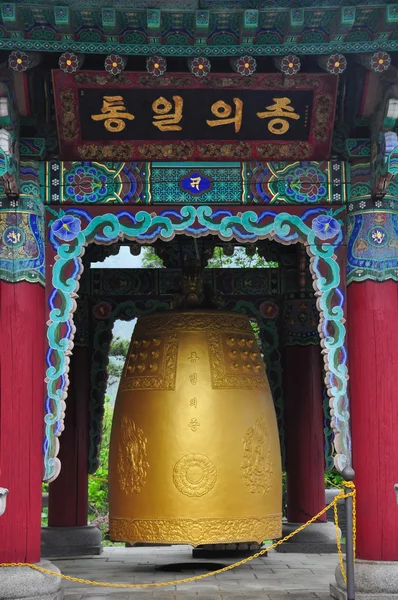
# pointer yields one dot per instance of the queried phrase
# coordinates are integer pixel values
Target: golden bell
(194, 454)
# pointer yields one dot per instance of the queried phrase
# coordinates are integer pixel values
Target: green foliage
(114, 372)
(98, 485)
(150, 260)
(119, 348)
(117, 355)
(44, 510)
(333, 478)
(44, 516)
(240, 259)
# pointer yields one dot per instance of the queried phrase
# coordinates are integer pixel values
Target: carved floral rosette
(156, 65)
(200, 67)
(114, 64)
(69, 62)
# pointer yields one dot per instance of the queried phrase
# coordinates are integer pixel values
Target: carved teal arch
(319, 229)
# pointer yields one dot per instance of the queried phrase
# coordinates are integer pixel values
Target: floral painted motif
(378, 236)
(372, 247)
(114, 64)
(86, 184)
(18, 61)
(380, 61)
(13, 218)
(66, 228)
(379, 218)
(200, 67)
(325, 227)
(13, 236)
(30, 247)
(268, 309)
(361, 245)
(102, 310)
(300, 320)
(245, 65)
(21, 247)
(68, 62)
(307, 184)
(290, 65)
(336, 64)
(156, 65)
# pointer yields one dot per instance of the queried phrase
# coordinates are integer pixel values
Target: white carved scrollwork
(3, 500)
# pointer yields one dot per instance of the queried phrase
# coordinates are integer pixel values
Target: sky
(124, 329)
(123, 260)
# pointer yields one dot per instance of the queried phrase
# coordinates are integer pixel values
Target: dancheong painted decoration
(198, 289)
(181, 117)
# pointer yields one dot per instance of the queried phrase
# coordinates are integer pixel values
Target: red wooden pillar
(22, 368)
(68, 494)
(305, 461)
(303, 414)
(373, 365)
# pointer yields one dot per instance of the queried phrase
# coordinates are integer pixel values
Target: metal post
(349, 548)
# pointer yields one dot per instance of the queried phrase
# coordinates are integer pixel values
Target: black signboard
(192, 114)
(180, 117)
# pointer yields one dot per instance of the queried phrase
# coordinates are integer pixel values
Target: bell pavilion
(195, 127)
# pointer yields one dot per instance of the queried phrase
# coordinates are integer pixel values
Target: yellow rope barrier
(329, 483)
(351, 485)
(341, 495)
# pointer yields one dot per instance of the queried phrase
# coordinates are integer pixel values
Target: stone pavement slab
(275, 577)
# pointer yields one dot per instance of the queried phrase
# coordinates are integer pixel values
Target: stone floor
(275, 577)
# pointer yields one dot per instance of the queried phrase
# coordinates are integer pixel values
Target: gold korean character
(195, 183)
(164, 119)
(275, 112)
(223, 111)
(113, 114)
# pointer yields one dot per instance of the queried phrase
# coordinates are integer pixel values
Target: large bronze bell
(194, 456)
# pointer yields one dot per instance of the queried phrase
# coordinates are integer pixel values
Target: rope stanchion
(341, 495)
(350, 540)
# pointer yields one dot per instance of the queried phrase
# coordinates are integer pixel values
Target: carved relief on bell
(195, 452)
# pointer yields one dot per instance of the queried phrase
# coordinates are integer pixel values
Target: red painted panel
(22, 335)
(305, 461)
(373, 365)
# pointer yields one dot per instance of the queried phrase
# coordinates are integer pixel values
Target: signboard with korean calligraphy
(177, 117)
